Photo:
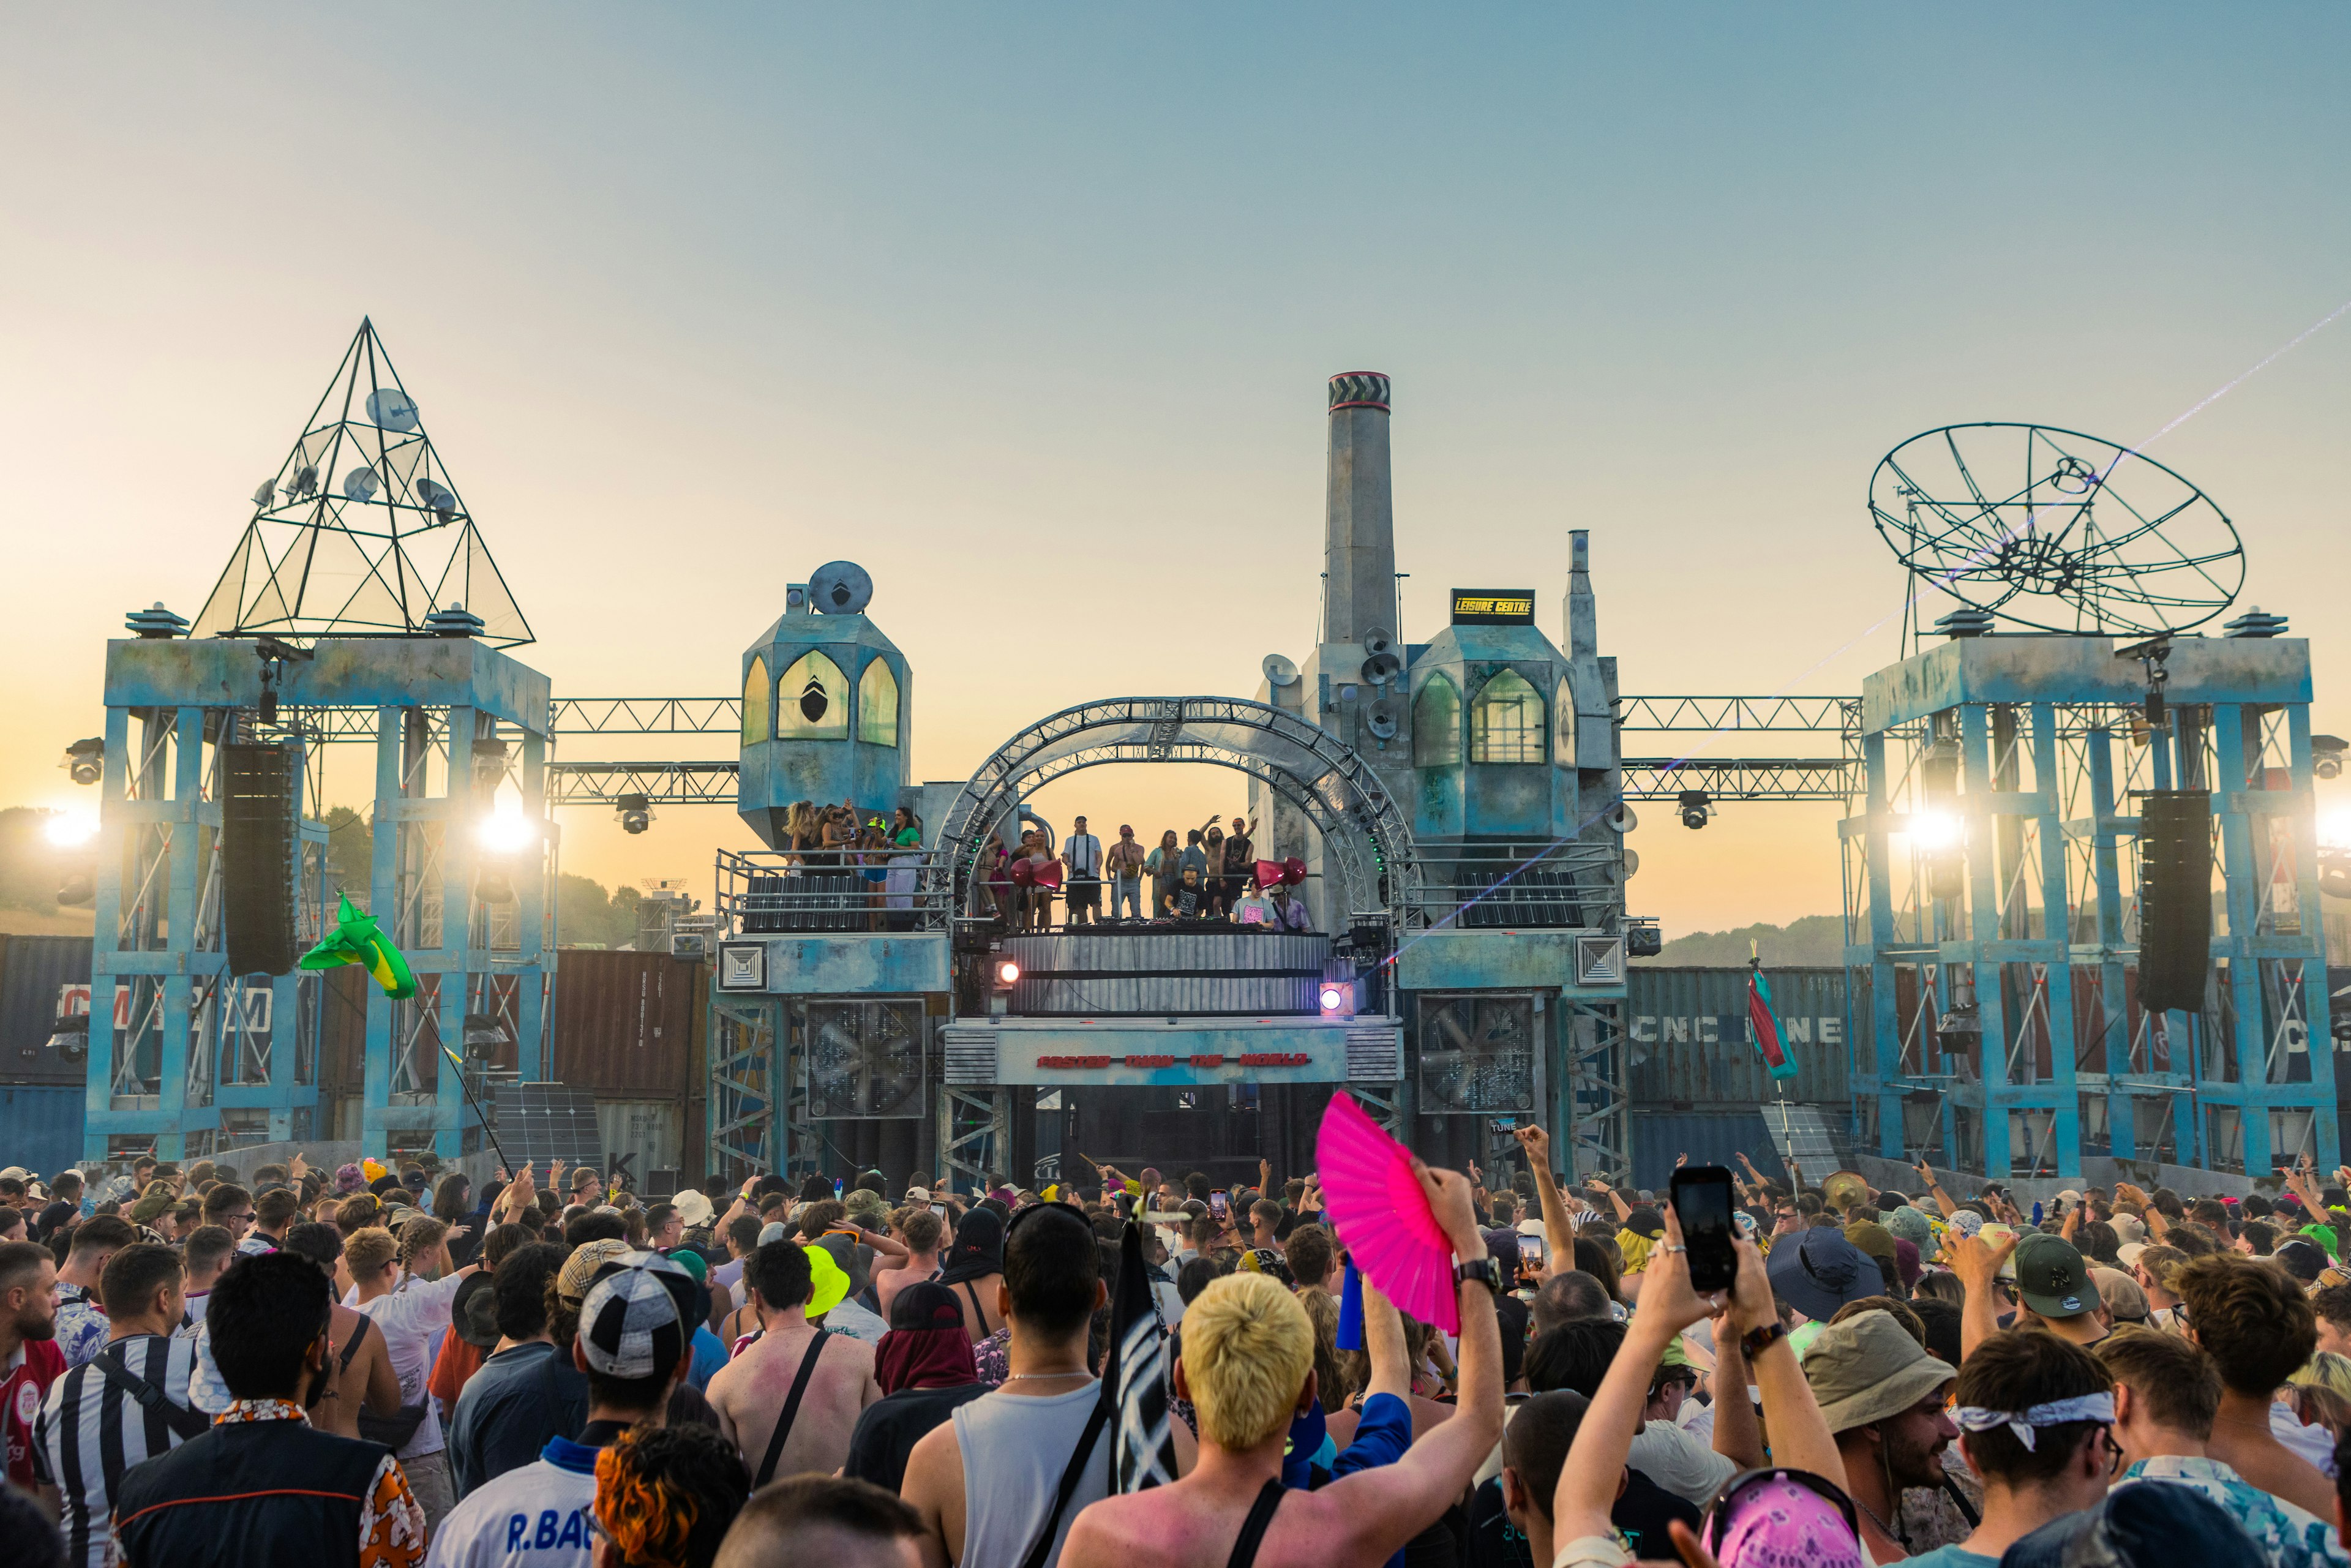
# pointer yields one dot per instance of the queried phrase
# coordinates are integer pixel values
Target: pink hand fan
(1382, 1216)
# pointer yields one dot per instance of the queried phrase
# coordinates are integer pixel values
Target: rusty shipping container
(1686, 1045)
(628, 1027)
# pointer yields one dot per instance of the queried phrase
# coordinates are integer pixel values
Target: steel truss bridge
(1707, 728)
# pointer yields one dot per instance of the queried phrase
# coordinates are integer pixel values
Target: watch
(1757, 1340)
(1485, 1272)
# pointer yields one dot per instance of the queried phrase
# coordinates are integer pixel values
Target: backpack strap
(1071, 1475)
(792, 1408)
(184, 1421)
(343, 1362)
(1253, 1527)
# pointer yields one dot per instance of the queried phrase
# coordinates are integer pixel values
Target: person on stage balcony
(1189, 901)
(995, 877)
(1126, 872)
(1288, 913)
(1165, 866)
(1239, 863)
(1081, 856)
(1212, 868)
(1042, 871)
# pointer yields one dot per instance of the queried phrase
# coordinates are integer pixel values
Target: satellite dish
(1377, 641)
(1621, 820)
(391, 409)
(841, 588)
(306, 483)
(266, 494)
(1279, 670)
(360, 483)
(1380, 718)
(796, 600)
(1382, 668)
(439, 497)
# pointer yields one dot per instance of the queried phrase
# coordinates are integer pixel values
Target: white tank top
(1015, 1448)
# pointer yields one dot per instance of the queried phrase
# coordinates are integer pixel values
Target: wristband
(1756, 1340)
(1481, 1270)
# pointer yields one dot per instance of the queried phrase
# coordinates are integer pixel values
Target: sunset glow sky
(1028, 310)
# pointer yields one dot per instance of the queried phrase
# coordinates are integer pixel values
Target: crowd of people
(1213, 876)
(387, 1367)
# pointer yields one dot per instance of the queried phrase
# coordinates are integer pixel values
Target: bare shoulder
(1123, 1533)
(934, 1465)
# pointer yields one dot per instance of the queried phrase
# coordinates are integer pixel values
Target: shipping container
(650, 1132)
(40, 1127)
(39, 978)
(624, 1024)
(1686, 1044)
(1708, 1137)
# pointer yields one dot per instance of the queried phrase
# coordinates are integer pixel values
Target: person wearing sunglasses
(1797, 1509)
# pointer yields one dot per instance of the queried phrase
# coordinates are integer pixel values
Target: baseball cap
(2128, 1228)
(2051, 1277)
(631, 1325)
(918, 1194)
(579, 1271)
(2129, 1253)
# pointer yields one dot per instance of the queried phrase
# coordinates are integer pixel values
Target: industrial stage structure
(1460, 807)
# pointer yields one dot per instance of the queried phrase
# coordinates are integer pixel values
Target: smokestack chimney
(1359, 514)
(1582, 615)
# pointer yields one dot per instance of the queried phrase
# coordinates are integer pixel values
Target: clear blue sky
(1027, 310)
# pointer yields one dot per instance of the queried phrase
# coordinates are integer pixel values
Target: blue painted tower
(826, 708)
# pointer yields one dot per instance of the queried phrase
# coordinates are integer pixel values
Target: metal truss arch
(1364, 827)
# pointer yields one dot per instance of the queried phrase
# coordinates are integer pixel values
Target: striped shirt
(89, 1432)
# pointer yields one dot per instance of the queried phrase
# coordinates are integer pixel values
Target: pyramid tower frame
(459, 727)
(332, 548)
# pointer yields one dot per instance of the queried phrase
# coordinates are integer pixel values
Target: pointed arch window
(877, 704)
(1563, 711)
(1437, 723)
(1506, 722)
(756, 700)
(812, 700)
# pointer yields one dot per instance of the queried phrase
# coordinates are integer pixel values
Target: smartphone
(1531, 1260)
(1221, 1204)
(1702, 1200)
(940, 1209)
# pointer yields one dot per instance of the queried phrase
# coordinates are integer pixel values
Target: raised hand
(1975, 1262)
(1680, 1160)
(1536, 1141)
(1450, 1204)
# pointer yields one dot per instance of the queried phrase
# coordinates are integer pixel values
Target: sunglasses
(1718, 1518)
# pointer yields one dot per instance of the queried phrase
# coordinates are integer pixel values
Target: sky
(1028, 311)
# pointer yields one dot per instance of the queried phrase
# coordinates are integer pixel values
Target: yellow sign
(1493, 607)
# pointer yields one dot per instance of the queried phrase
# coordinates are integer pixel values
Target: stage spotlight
(70, 1040)
(85, 760)
(506, 833)
(1694, 808)
(2327, 755)
(636, 812)
(1934, 829)
(1643, 939)
(1334, 997)
(71, 830)
(484, 1034)
(1007, 972)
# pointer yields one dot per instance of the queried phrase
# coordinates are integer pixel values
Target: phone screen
(1701, 1199)
(1221, 1204)
(1530, 1259)
(940, 1209)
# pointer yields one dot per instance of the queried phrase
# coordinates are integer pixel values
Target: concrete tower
(1358, 512)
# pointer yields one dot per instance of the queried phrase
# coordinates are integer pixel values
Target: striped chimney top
(1359, 389)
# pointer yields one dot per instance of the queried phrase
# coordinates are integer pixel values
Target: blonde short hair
(1248, 1349)
(366, 1250)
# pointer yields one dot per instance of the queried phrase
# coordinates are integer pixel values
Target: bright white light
(1008, 973)
(506, 831)
(2334, 828)
(1934, 829)
(1332, 998)
(71, 830)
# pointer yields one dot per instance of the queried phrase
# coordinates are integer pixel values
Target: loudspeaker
(2175, 858)
(257, 850)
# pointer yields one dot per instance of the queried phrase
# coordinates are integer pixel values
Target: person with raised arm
(1559, 1225)
(1248, 1367)
(1589, 1482)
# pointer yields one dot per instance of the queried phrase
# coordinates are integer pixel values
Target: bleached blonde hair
(1248, 1348)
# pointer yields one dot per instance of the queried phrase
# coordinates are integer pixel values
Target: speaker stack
(2175, 855)
(256, 850)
